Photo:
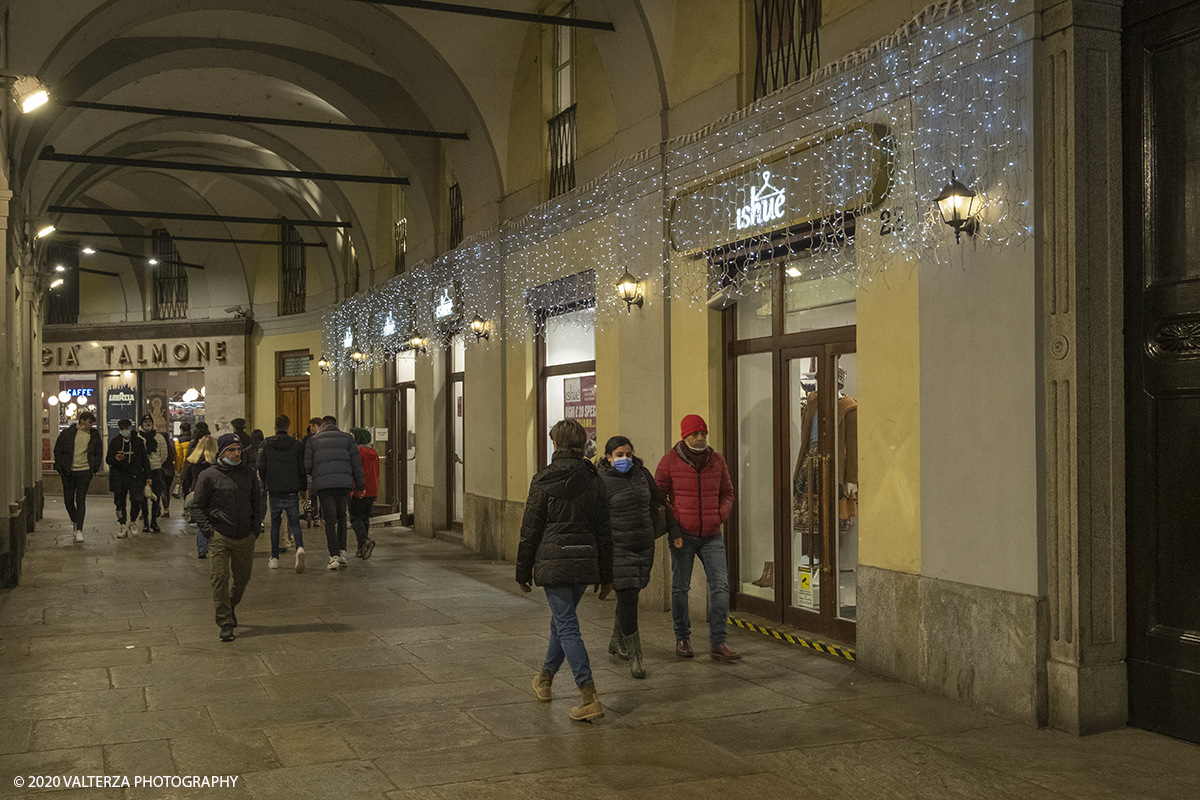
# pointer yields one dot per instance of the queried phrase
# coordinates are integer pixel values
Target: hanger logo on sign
(766, 205)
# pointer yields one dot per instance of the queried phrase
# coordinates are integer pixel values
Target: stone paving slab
(408, 676)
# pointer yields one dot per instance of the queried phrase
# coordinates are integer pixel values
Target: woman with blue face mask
(632, 493)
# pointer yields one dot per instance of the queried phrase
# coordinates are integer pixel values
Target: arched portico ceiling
(333, 60)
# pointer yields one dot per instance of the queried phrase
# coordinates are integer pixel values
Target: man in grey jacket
(228, 508)
(331, 458)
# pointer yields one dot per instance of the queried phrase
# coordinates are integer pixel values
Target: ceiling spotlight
(60, 268)
(56, 283)
(153, 262)
(88, 251)
(45, 231)
(28, 92)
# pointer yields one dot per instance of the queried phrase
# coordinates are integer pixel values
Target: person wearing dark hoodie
(694, 479)
(331, 458)
(78, 452)
(566, 545)
(281, 467)
(128, 475)
(202, 452)
(228, 509)
(632, 494)
(363, 500)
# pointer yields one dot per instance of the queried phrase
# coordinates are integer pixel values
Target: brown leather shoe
(683, 649)
(722, 653)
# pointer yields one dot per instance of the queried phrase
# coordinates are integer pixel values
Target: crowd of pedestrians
(585, 524)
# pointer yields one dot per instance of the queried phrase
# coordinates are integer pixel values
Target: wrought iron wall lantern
(480, 327)
(324, 364)
(959, 207)
(629, 289)
(416, 344)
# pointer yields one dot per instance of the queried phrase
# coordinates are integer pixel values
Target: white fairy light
(953, 88)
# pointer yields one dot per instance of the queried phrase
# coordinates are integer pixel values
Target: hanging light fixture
(959, 207)
(629, 289)
(416, 343)
(480, 327)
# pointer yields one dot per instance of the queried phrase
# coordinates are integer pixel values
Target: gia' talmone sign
(135, 355)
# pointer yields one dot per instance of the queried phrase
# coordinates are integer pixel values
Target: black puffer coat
(565, 536)
(629, 498)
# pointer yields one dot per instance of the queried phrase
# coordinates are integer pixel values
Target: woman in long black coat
(632, 494)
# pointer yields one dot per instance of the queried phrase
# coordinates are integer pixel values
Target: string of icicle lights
(953, 90)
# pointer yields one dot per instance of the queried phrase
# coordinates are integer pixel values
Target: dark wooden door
(1162, 240)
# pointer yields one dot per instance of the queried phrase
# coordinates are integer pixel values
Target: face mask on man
(148, 428)
(126, 432)
(623, 464)
(700, 449)
(227, 462)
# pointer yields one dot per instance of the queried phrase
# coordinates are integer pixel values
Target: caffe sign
(168, 354)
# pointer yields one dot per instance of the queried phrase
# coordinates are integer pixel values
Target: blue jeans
(712, 556)
(565, 639)
(281, 503)
(201, 543)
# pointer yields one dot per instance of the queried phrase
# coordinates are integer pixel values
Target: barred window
(562, 152)
(456, 216)
(787, 48)
(293, 272)
(170, 278)
(63, 308)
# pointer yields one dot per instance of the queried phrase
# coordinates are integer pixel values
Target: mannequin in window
(806, 510)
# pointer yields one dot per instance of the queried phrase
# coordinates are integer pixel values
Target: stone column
(1080, 161)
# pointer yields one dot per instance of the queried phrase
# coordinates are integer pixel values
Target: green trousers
(231, 560)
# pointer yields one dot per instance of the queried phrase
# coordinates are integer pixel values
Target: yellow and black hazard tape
(820, 647)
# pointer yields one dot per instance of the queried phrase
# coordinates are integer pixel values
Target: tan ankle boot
(541, 685)
(589, 707)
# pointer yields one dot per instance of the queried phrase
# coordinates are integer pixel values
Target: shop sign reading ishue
(847, 170)
(135, 355)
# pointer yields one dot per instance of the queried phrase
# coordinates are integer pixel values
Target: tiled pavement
(407, 676)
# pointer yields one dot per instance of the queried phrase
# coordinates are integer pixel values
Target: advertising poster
(157, 408)
(579, 404)
(120, 402)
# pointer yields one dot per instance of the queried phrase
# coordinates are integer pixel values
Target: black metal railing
(788, 47)
(456, 215)
(562, 152)
(293, 271)
(170, 279)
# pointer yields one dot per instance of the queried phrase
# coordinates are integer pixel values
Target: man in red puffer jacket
(695, 480)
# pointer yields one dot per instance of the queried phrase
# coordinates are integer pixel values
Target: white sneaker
(299, 559)
(273, 563)
(342, 558)
(333, 563)
(122, 531)
(79, 534)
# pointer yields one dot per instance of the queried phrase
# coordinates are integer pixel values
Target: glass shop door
(820, 541)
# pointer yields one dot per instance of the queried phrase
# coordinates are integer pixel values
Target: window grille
(788, 48)
(293, 278)
(170, 279)
(456, 216)
(562, 152)
(63, 308)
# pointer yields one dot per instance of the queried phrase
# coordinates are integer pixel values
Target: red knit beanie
(690, 424)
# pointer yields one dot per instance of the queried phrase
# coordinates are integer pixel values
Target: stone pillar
(1080, 163)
